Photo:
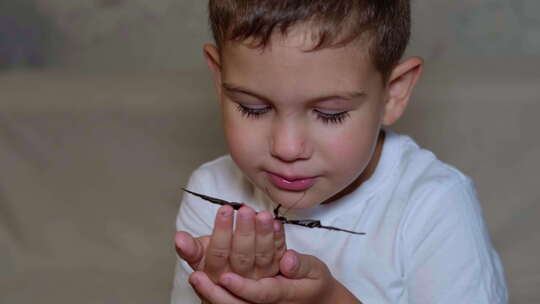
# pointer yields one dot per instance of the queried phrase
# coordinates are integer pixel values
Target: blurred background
(106, 107)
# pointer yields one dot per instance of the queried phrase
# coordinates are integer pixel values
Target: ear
(213, 60)
(400, 87)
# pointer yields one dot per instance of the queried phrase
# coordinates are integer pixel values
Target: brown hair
(336, 23)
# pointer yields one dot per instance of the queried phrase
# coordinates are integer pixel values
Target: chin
(294, 199)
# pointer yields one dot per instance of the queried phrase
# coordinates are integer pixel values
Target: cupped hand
(303, 279)
(253, 249)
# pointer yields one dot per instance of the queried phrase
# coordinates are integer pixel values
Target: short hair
(336, 23)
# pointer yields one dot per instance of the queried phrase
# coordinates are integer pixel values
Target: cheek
(245, 141)
(349, 151)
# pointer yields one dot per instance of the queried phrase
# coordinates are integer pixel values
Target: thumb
(189, 249)
(294, 265)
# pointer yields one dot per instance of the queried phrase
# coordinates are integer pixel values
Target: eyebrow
(341, 95)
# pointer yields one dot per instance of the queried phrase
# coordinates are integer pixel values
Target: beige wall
(127, 35)
(167, 34)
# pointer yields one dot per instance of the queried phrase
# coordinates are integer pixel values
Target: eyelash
(252, 113)
(336, 118)
(326, 118)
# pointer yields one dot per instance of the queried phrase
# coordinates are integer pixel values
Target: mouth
(291, 183)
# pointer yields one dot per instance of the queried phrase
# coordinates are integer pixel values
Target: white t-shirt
(425, 242)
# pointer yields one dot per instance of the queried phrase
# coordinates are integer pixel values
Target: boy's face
(302, 126)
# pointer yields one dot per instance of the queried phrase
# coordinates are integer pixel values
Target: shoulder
(220, 177)
(440, 205)
(420, 174)
(214, 169)
(433, 193)
(443, 234)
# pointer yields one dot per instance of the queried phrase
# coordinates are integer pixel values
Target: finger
(209, 292)
(301, 266)
(217, 254)
(203, 300)
(280, 244)
(267, 290)
(264, 241)
(189, 249)
(243, 245)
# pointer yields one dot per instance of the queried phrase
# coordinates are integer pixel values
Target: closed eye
(252, 111)
(325, 117)
(335, 118)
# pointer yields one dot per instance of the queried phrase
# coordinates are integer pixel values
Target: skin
(252, 250)
(317, 114)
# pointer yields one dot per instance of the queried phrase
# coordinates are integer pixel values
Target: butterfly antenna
(296, 203)
(276, 210)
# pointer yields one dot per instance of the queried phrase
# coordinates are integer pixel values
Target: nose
(289, 141)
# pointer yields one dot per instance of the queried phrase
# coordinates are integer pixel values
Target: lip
(291, 183)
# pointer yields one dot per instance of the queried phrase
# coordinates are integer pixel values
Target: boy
(306, 88)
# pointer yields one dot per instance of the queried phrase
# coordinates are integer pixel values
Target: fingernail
(181, 247)
(225, 212)
(277, 226)
(292, 260)
(226, 280)
(194, 281)
(245, 214)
